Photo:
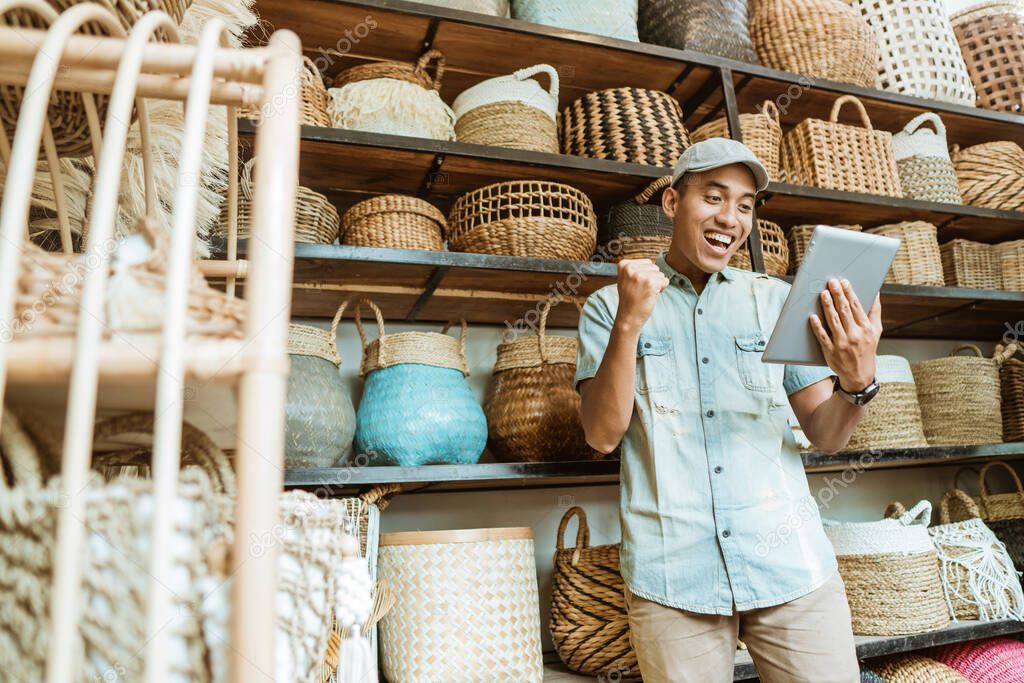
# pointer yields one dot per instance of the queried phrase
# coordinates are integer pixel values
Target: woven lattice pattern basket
(893, 418)
(625, 124)
(774, 249)
(840, 156)
(1010, 258)
(613, 18)
(991, 37)
(761, 132)
(524, 218)
(395, 221)
(717, 27)
(800, 239)
(918, 260)
(917, 669)
(959, 397)
(922, 160)
(991, 174)
(917, 50)
(1011, 379)
(971, 264)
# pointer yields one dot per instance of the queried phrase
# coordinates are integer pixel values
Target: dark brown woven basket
(991, 37)
(717, 27)
(1011, 382)
(625, 124)
(636, 217)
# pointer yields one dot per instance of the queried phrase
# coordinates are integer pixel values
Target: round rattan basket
(774, 248)
(761, 133)
(959, 397)
(917, 669)
(893, 418)
(395, 221)
(918, 261)
(991, 174)
(991, 37)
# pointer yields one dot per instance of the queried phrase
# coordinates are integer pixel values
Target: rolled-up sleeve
(594, 331)
(797, 377)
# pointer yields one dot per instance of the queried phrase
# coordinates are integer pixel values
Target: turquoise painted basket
(417, 407)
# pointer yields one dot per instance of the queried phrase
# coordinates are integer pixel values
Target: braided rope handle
(920, 514)
(582, 532)
(462, 334)
(894, 510)
(984, 486)
(834, 117)
(928, 117)
(381, 495)
(769, 109)
(967, 347)
(541, 336)
(1005, 353)
(334, 326)
(965, 500)
(424, 61)
(359, 323)
(310, 73)
(530, 71)
(649, 191)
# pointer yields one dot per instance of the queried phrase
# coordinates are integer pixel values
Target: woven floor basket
(918, 260)
(840, 156)
(922, 161)
(638, 218)
(1010, 258)
(313, 100)
(991, 37)
(589, 624)
(959, 399)
(893, 418)
(511, 111)
(917, 669)
(761, 132)
(970, 264)
(1011, 380)
(395, 221)
(992, 660)
(791, 35)
(466, 602)
(524, 218)
(717, 27)
(625, 124)
(774, 249)
(917, 50)
(991, 175)
(891, 574)
(800, 239)
(613, 18)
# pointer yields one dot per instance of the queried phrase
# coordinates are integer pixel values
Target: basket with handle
(970, 264)
(918, 260)
(1010, 259)
(1011, 384)
(612, 18)
(991, 174)
(922, 160)
(893, 418)
(774, 249)
(991, 37)
(761, 131)
(511, 111)
(637, 228)
(716, 27)
(394, 221)
(959, 398)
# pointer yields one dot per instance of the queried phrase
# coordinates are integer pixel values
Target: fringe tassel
(993, 584)
(390, 105)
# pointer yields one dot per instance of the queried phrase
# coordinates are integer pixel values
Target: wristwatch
(857, 398)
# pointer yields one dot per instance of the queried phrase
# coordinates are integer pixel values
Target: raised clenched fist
(640, 282)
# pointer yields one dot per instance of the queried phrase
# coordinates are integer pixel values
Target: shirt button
(718, 469)
(726, 534)
(710, 413)
(647, 345)
(700, 311)
(705, 360)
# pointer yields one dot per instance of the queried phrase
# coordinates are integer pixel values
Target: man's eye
(746, 208)
(713, 198)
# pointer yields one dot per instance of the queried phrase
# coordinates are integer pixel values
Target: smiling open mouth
(719, 242)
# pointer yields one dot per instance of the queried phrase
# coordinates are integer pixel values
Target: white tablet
(861, 258)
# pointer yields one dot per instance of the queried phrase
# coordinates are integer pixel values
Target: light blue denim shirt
(715, 509)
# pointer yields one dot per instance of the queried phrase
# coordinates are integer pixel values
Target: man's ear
(669, 201)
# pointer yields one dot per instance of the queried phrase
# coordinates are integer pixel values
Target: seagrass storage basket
(524, 218)
(312, 98)
(800, 239)
(959, 398)
(893, 418)
(636, 228)
(511, 111)
(716, 27)
(1011, 381)
(774, 249)
(761, 132)
(971, 264)
(841, 156)
(625, 124)
(1010, 259)
(395, 221)
(991, 37)
(916, 668)
(991, 174)
(466, 602)
(918, 260)
(612, 18)
(922, 161)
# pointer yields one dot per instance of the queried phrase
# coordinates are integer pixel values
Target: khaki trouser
(807, 640)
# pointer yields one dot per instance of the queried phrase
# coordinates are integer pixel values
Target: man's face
(712, 214)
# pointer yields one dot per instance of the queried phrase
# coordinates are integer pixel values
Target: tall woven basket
(922, 160)
(533, 411)
(466, 606)
(970, 264)
(589, 623)
(625, 124)
(991, 174)
(774, 249)
(612, 18)
(991, 37)
(636, 228)
(511, 111)
(959, 398)
(524, 218)
(761, 132)
(1010, 259)
(992, 660)
(840, 156)
(394, 221)
(788, 35)
(917, 50)
(917, 669)
(717, 27)
(918, 260)
(1011, 381)
(893, 418)
(800, 239)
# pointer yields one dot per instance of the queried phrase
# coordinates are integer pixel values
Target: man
(720, 535)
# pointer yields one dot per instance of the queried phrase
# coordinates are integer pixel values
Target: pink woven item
(996, 660)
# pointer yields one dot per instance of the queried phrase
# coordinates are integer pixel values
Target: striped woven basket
(893, 418)
(1010, 258)
(995, 660)
(970, 264)
(917, 669)
(918, 260)
(991, 37)
(761, 131)
(637, 228)
(716, 27)
(395, 221)
(800, 239)
(959, 398)
(991, 175)
(774, 248)
(1011, 381)
(922, 160)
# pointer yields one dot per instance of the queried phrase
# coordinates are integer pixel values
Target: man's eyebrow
(722, 186)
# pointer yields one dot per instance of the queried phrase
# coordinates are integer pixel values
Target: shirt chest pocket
(655, 364)
(755, 374)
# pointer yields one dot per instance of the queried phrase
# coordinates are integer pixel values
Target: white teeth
(717, 237)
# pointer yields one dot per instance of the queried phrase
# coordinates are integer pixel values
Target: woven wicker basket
(1010, 259)
(589, 624)
(495, 8)
(533, 411)
(1011, 379)
(922, 160)
(774, 249)
(840, 156)
(917, 669)
(918, 260)
(800, 239)
(511, 111)
(640, 247)
(717, 27)
(613, 18)
(991, 37)
(891, 573)
(990, 660)
(625, 124)
(466, 602)
(959, 399)
(395, 221)
(991, 175)
(788, 35)
(313, 100)
(761, 132)
(524, 218)
(917, 50)
(970, 264)
(639, 226)
(893, 418)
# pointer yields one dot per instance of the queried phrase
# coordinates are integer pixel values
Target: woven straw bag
(922, 160)
(320, 420)
(466, 606)
(613, 18)
(992, 660)
(917, 50)
(918, 260)
(893, 418)
(761, 132)
(533, 411)
(625, 124)
(917, 669)
(970, 264)
(1010, 258)
(891, 573)
(774, 248)
(991, 175)
(511, 111)
(636, 228)
(959, 398)
(991, 37)
(978, 576)
(524, 218)
(717, 27)
(495, 8)
(394, 98)
(787, 35)
(589, 624)
(1011, 381)
(800, 239)
(313, 99)
(1003, 512)
(417, 407)
(394, 221)
(841, 157)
